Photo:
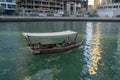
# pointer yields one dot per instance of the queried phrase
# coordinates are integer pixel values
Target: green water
(98, 58)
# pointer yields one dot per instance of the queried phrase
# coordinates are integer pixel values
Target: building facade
(8, 6)
(115, 1)
(109, 8)
(50, 6)
(110, 1)
(96, 3)
(72, 8)
(30, 6)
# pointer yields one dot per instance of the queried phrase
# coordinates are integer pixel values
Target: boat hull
(54, 49)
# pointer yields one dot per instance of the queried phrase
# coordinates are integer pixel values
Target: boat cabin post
(75, 37)
(28, 40)
(68, 38)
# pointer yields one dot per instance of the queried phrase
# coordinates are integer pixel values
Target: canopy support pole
(68, 38)
(29, 40)
(75, 37)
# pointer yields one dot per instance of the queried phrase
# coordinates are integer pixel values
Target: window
(11, 6)
(2, 0)
(101, 7)
(8, 0)
(110, 6)
(115, 6)
(3, 5)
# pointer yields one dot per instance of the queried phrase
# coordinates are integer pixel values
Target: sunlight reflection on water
(92, 50)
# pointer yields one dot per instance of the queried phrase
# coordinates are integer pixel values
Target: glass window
(3, 5)
(11, 6)
(2, 0)
(115, 6)
(110, 6)
(8, 0)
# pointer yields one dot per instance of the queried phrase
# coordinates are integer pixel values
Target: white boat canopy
(51, 34)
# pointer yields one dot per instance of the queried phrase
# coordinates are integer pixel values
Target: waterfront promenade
(36, 18)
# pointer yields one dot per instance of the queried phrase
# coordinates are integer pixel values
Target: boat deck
(49, 48)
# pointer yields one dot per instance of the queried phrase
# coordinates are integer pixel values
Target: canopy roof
(51, 34)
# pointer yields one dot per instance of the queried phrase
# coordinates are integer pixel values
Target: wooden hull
(54, 49)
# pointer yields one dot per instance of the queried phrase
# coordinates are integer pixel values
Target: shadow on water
(54, 66)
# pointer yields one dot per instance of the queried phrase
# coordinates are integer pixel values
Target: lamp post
(86, 5)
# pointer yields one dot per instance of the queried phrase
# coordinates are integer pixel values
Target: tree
(2, 10)
(18, 10)
(36, 10)
(52, 11)
(66, 12)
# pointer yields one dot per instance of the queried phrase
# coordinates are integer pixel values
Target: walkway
(25, 18)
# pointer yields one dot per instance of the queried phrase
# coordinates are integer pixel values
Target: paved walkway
(25, 18)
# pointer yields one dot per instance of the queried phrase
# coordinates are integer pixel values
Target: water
(98, 58)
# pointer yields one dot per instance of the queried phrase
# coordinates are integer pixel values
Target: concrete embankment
(23, 18)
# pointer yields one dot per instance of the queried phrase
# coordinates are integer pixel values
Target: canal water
(98, 58)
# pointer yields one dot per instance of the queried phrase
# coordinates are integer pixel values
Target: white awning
(51, 34)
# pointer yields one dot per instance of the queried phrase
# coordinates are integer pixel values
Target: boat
(40, 48)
